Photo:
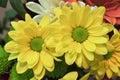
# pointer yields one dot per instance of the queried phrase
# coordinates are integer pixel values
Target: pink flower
(112, 14)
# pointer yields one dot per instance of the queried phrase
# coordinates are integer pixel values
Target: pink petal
(111, 20)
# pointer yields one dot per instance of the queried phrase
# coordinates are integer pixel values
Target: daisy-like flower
(70, 76)
(45, 7)
(82, 31)
(108, 64)
(28, 46)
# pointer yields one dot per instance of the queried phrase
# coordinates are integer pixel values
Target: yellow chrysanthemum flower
(82, 31)
(70, 76)
(108, 64)
(28, 46)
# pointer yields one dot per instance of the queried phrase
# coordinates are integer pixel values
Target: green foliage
(25, 76)
(4, 63)
(59, 71)
(18, 6)
(3, 3)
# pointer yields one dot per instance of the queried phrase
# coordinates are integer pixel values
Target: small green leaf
(3, 3)
(10, 14)
(18, 6)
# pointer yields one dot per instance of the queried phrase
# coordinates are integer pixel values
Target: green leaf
(18, 6)
(3, 3)
(10, 14)
(4, 63)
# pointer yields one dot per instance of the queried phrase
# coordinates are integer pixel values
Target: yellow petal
(78, 47)
(84, 63)
(113, 67)
(108, 73)
(45, 20)
(101, 50)
(32, 58)
(61, 48)
(101, 71)
(17, 25)
(41, 75)
(38, 68)
(22, 57)
(85, 77)
(100, 32)
(21, 67)
(88, 55)
(47, 60)
(15, 35)
(33, 78)
(97, 40)
(13, 56)
(79, 60)
(89, 46)
(28, 18)
(70, 58)
(70, 76)
(57, 12)
(11, 47)
(109, 46)
(31, 31)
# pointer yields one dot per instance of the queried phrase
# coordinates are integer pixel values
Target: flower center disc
(36, 44)
(108, 55)
(80, 34)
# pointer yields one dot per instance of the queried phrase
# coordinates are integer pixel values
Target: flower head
(112, 14)
(108, 64)
(81, 31)
(28, 46)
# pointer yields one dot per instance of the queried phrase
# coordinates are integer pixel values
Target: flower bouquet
(62, 40)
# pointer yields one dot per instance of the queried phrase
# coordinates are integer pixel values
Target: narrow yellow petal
(88, 55)
(41, 75)
(108, 73)
(21, 67)
(45, 20)
(78, 47)
(113, 67)
(70, 58)
(32, 59)
(89, 46)
(47, 60)
(11, 47)
(79, 60)
(84, 63)
(13, 56)
(97, 40)
(38, 68)
(70, 76)
(101, 50)
(85, 77)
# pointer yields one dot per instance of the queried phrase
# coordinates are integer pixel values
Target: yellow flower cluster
(78, 33)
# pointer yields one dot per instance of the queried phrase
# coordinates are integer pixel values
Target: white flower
(45, 7)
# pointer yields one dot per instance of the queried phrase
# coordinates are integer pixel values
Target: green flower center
(108, 55)
(80, 34)
(36, 44)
